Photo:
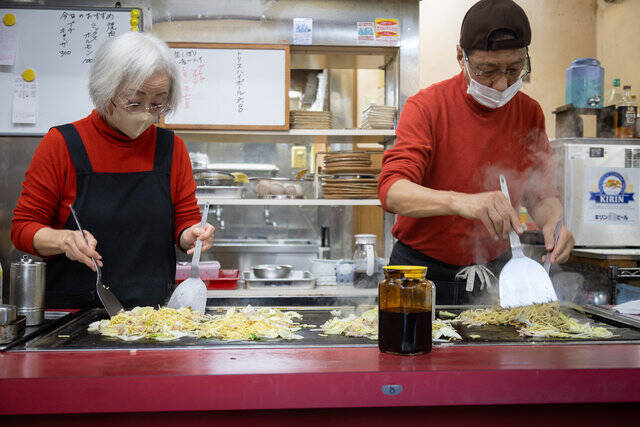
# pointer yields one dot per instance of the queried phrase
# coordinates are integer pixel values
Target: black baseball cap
(487, 16)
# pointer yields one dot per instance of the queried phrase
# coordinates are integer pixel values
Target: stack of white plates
(299, 119)
(378, 117)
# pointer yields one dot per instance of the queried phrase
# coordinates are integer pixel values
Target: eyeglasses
(136, 107)
(510, 73)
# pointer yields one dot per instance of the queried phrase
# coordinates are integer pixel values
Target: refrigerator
(599, 181)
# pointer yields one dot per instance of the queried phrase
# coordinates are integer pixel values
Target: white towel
(629, 307)
(485, 276)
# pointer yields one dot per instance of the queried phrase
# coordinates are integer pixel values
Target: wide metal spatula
(192, 292)
(107, 298)
(522, 281)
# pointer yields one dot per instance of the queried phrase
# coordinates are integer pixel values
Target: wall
(561, 32)
(617, 45)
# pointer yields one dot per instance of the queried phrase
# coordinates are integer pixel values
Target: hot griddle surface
(74, 336)
(500, 334)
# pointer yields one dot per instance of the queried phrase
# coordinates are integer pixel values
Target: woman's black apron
(131, 217)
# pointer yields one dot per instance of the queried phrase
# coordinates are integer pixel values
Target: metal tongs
(108, 299)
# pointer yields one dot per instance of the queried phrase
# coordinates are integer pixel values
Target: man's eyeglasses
(510, 73)
(136, 107)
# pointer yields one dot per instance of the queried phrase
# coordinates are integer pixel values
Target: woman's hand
(191, 234)
(76, 248)
(48, 242)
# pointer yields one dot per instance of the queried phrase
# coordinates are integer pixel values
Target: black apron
(131, 217)
(449, 290)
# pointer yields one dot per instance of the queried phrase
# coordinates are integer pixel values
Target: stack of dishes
(350, 188)
(349, 163)
(299, 119)
(353, 177)
(378, 117)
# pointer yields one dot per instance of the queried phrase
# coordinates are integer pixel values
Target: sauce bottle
(626, 113)
(405, 311)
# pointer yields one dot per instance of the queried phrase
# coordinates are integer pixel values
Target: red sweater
(448, 141)
(50, 182)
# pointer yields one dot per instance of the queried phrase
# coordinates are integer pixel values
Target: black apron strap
(164, 151)
(78, 153)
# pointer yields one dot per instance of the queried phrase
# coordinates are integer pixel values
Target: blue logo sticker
(612, 188)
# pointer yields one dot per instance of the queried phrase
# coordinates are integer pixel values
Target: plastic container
(227, 279)
(209, 270)
(585, 83)
(626, 293)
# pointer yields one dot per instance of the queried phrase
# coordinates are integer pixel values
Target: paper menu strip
(25, 101)
(8, 45)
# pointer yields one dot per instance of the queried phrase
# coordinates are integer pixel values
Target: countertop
(149, 381)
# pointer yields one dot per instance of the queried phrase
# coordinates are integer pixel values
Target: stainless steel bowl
(214, 178)
(270, 271)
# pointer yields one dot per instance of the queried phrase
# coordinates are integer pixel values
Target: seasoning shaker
(26, 289)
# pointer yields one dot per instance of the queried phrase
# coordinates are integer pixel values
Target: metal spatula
(192, 292)
(556, 234)
(107, 298)
(522, 280)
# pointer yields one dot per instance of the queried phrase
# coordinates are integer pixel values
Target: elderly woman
(130, 182)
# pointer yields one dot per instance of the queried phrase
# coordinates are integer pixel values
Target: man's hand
(191, 234)
(76, 248)
(560, 251)
(492, 208)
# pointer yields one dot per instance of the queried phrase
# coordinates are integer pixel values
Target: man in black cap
(454, 139)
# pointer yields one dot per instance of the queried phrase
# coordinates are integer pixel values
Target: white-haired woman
(130, 182)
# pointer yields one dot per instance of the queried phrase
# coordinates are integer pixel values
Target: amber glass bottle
(405, 301)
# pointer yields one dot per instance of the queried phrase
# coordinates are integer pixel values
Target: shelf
(295, 132)
(323, 291)
(292, 135)
(288, 202)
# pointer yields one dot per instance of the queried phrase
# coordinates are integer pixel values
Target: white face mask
(132, 124)
(490, 97)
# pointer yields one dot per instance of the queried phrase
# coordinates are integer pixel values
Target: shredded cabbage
(165, 324)
(538, 320)
(365, 325)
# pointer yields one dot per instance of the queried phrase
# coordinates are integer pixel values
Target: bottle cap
(625, 87)
(28, 75)
(9, 19)
(616, 82)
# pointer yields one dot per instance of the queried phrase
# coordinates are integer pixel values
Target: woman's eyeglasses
(136, 107)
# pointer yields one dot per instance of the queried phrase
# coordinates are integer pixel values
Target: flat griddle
(73, 335)
(624, 329)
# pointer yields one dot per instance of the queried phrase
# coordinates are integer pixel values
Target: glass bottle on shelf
(616, 94)
(626, 113)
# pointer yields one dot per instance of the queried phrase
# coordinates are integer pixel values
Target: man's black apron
(449, 290)
(131, 217)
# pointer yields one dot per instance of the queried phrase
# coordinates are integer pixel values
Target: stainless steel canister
(26, 289)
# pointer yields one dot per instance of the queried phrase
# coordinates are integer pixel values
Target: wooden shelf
(288, 202)
(291, 135)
